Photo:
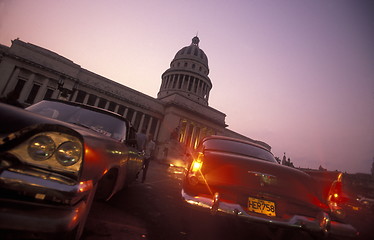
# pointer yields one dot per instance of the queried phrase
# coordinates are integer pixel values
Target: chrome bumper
(38, 202)
(320, 224)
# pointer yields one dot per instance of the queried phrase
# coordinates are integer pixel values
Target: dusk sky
(296, 74)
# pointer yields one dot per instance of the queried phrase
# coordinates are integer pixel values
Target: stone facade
(179, 114)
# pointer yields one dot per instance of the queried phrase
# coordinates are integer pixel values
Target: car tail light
(197, 164)
(194, 174)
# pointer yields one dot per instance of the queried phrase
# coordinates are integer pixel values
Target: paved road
(154, 211)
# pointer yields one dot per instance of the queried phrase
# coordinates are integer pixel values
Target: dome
(193, 52)
(187, 75)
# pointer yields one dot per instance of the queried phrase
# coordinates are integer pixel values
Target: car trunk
(237, 178)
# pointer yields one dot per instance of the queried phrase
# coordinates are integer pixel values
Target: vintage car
(234, 177)
(55, 158)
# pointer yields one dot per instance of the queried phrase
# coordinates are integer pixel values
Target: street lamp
(67, 87)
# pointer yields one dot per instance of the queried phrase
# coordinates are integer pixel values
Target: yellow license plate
(261, 206)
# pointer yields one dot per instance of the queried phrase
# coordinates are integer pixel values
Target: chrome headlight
(68, 153)
(52, 150)
(41, 147)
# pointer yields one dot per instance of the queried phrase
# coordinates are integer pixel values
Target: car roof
(236, 140)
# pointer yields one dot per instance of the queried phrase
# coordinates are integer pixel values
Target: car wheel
(106, 185)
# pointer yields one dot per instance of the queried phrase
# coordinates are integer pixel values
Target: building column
(55, 94)
(184, 82)
(74, 95)
(133, 119)
(141, 124)
(10, 85)
(193, 136)
(125, 112)
(150, 125)
(167, 81)
(190, 79)
(178, 80)
(107, 105)
(204, 90)
(171, 80)
(197, 135)
(42, 90)
(157, 129)
(199, 84)
(85, 100)
(97, 101)
(26, 89)
(188, 134)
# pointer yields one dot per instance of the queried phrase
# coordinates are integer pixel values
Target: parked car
(234, 177)
(56, 157)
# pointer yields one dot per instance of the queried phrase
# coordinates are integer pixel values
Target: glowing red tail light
(197, 164)
(194, 174)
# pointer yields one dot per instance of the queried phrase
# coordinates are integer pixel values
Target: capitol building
(179, 116)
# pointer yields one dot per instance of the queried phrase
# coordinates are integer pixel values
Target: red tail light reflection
(336, 191)
(337, 198)
(85, 186)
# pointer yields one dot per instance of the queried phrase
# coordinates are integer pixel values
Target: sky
(296, 74)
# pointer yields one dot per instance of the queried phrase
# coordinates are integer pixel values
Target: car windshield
(97, 121)
(241, 148)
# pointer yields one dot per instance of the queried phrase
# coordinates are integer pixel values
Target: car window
(238, 148)
(102, 123)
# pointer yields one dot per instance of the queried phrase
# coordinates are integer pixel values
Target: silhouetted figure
(284, 161)
(12, 99)
(321, 168)
(174, 134)
(141, 140)
(149, 149)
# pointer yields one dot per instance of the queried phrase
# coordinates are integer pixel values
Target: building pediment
(194, 108)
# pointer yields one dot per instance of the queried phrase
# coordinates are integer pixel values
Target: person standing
(141, 139)
(149, 149)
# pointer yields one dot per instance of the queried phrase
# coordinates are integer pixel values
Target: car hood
(19, 124)
(16, 119)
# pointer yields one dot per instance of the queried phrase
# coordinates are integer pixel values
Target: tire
(106, 185)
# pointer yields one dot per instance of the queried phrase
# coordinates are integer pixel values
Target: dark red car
(234, 177)
(55, 158)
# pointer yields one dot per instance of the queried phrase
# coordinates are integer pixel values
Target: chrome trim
(41, 186)
(260, 174)
(265, 179)
(44, 218)
(215, 204)
(320, 224)
(14, 179)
